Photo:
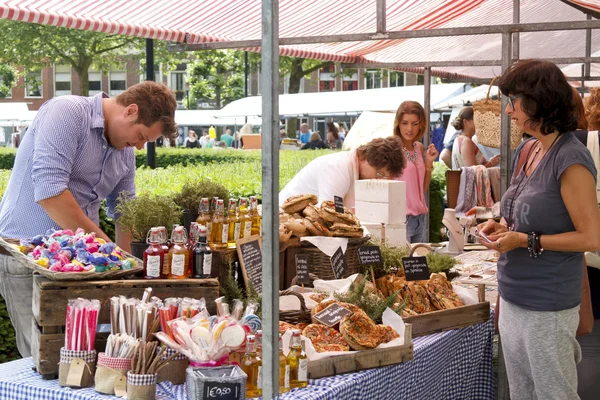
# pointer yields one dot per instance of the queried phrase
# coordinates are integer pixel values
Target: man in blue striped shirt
(77, 152)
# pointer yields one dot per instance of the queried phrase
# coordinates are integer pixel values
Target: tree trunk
(82, 71)
(296, 75)
(218, 97)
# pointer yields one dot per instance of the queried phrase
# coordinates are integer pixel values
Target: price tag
(221, 391)
(121, 386)
(415, 268)
(369, 255)
(332, 315)
(302, 269)
(339, 264)
(76, 370)
(339, 204)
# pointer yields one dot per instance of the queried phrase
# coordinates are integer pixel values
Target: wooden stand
(50, 307)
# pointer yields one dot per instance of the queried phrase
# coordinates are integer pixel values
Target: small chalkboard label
(339, 264)
(339, 204)
(369, 255)
(221, 391)
(250, 256)
(302, 269)
(332, 315)
(415, 268)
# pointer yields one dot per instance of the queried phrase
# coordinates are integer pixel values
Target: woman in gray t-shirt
(549, 218)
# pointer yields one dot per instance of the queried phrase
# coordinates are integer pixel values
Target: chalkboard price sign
(415, 268)
(369, 255)
(302, 269)
(332, 315)
(339, 204)
(250, 255)
(221, 391)
(339, 263)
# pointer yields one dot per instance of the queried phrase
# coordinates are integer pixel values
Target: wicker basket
(295, 316)
(11, 247)
(486, 115)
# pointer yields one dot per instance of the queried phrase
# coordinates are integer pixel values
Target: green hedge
(166, 157)
(7, 157)
(8, 346)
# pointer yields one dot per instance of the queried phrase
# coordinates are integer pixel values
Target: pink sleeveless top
(414, 176)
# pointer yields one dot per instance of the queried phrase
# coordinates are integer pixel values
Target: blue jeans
(415, 229)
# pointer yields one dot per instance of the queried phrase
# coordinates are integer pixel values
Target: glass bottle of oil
(166, 268)
(202, 259)
(245, 219)
(284, 369)
(297, 362)
(259, 343)
(213, 207)
(234, 223)
(204, 216)
(220, 228)
(256, 218)
(154, 255)
(179, 254)
(252, 366)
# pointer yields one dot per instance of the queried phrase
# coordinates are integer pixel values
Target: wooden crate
(454, 318)
(223, 258)
(362, 360)
(49, 305)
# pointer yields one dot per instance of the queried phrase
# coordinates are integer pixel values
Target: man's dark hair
(546, 96)
(384, 153)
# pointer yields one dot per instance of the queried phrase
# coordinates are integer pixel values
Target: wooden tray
(362, 360)
(453, 318)
(10, 245)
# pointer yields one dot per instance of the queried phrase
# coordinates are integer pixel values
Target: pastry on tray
(441, 293)
(360, 331)
(330, 215)
(325, 338)
(314, 214)
(344, 230)
(296, 204)
(387, 333)
(315, 228)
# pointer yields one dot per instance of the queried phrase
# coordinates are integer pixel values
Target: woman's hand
(507, 241)
(492, 229)
(494, 161)
(430, 155)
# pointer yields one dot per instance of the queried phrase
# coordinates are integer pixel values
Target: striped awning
(206, 21)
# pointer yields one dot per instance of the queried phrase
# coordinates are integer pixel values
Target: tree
(8, 79)
(35, 46)
(217, 75)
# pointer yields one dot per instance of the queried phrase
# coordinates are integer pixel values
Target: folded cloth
(474, 190)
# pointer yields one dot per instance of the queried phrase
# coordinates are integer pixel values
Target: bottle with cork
(166, 246)
(245, 219)
(252, 366)
(220, 228)
(204, 216)
(179, 254)
(234, 223)
(154, 255)
(255, 216)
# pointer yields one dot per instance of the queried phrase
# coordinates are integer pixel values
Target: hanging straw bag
(486, 116)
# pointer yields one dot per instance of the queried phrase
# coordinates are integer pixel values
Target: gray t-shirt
(551, 282)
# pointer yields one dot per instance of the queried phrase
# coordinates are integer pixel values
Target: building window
(327, 79)
(420, 80)
(396, 79)
(94, 82)
(326, 86)
(118, 82)
(33, 84)
(350, 80)
(62, 79)
(177, 84)
(372, 78)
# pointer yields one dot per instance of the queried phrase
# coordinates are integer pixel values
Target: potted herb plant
(191, 194)
(139, 214)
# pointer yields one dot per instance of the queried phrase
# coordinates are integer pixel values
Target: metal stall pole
(588, 49)
(505, 150)
(426, 138)
(150, 146)
(516, 20)
(270, 197)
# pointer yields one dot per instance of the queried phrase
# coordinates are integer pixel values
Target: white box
(395, 235)
(383, 213)
(380, 191)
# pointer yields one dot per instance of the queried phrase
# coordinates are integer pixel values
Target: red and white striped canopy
(203, 21)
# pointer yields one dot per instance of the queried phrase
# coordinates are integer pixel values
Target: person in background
(304, 133)
(409, 126)
(446, 154)
(78, 152)
(315, 143)
(333, 137)
(204, 139)
(236, 140)
(550, 217)
(464, 152)
(334, 174)
(588, 370)
(191, 142)
(341, 130)
(227, 137)
(220, 145)
(212, 133)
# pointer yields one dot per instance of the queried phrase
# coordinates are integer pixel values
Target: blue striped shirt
(65, 148)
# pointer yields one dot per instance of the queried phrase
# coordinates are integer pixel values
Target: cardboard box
(380, 191)
(383, 213)
(394, 234)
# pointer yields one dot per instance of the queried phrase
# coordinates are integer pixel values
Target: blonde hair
(592, 109)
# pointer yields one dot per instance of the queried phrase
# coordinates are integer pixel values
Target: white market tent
(210, 117)
(341, 103)
(13, 114)
(470, 96)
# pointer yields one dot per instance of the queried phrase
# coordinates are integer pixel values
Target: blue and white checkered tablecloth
(449, 365)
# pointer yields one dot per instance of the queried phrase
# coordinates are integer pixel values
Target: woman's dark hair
(546, 96)
(465, 113)
(331, 128)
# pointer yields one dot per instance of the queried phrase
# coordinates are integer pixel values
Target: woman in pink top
(409, 125)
